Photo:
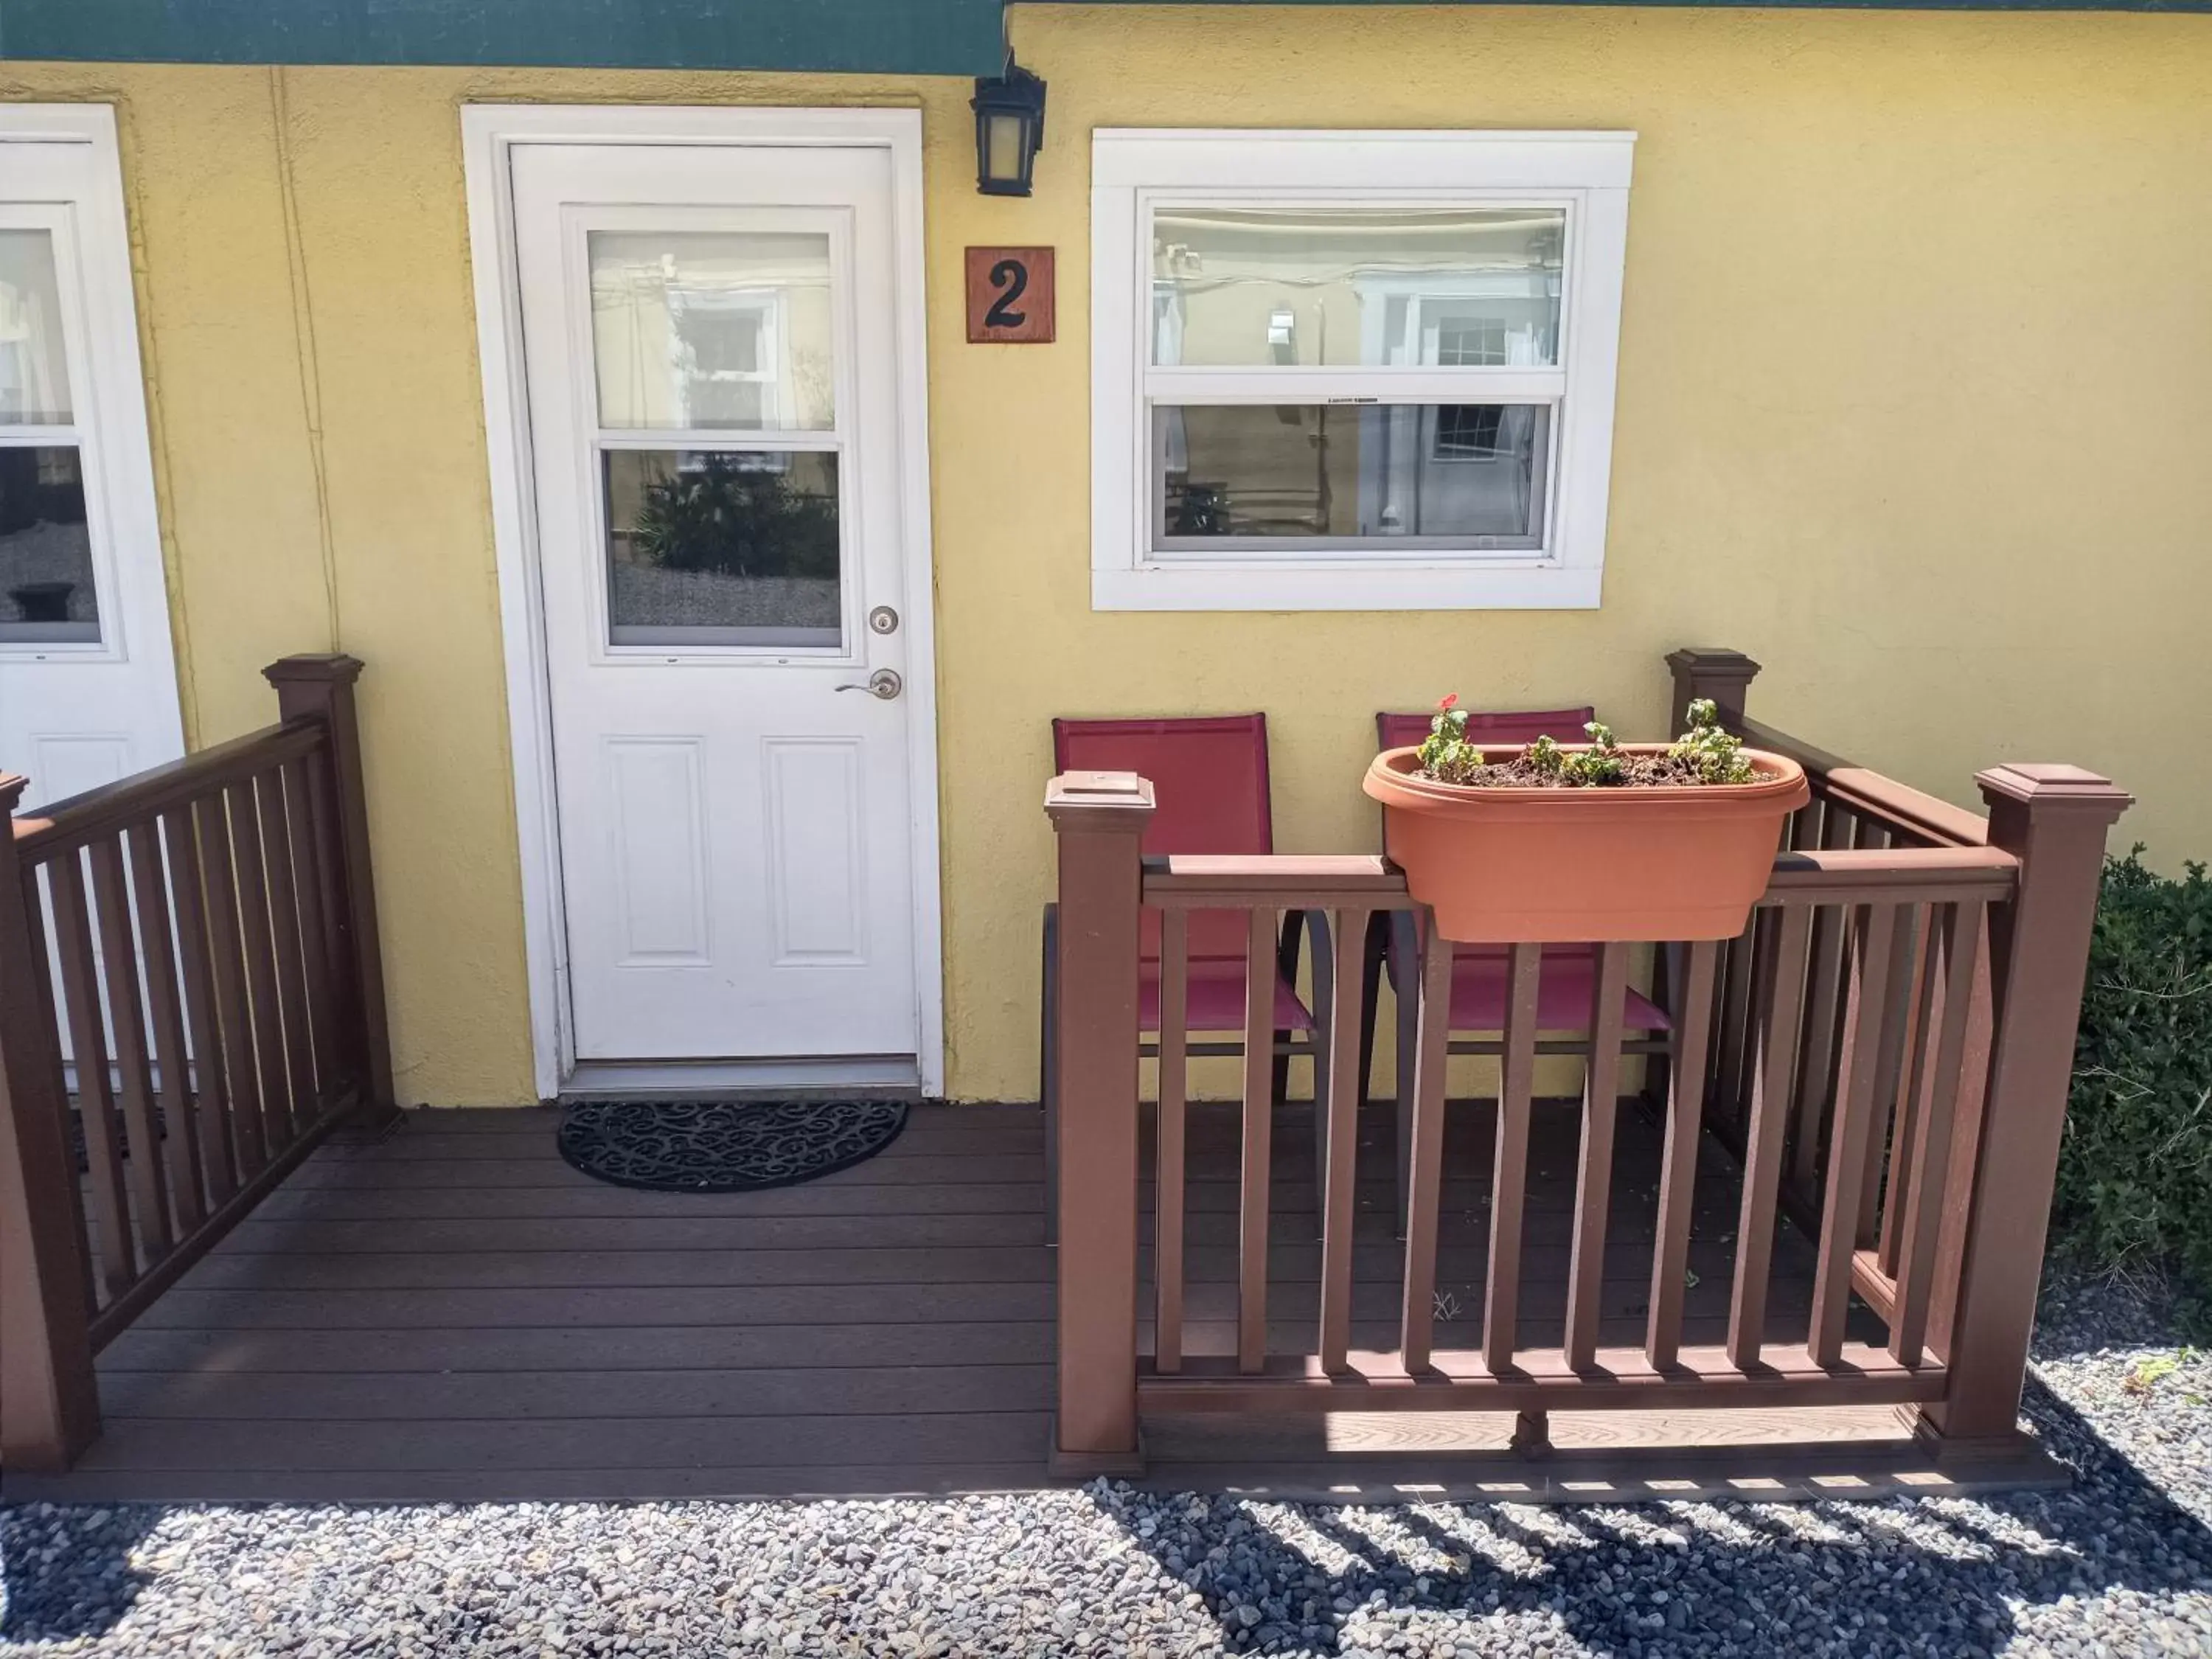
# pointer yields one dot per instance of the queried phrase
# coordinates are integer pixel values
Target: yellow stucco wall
(1916, 399)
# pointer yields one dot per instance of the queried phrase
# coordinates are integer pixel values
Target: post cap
(333, 666)
(2044, 785)
(1075, 795)
(12, 785)
(1712, 662)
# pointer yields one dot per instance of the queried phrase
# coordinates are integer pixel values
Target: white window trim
(1588, 171)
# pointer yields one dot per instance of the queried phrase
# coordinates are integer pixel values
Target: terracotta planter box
(1504, 866)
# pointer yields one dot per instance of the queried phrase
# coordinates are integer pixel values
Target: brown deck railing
(1886, 1048)
(1928, 1070)
(189, 957)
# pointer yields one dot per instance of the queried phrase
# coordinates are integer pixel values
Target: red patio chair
(1479, 971)
(1209, 777)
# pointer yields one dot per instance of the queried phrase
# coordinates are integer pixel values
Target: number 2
(1012, 278)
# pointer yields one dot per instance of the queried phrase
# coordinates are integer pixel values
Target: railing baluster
(1259, 1139)
(211, 1111)
(111, 1211)
(1678, 1172)
(234, 1019)
(1802, 828)
(1824, 1015)
(1425, 1177)
(1168, 1138)
(347, 1035)
(1897, 1196)
(311, 880)
(1888, 1060)
(1866, 1002)
(126, 1018)
(1736, 1042)
(277, 1109)
(1509, 1170)
(180, 1146)
(1961, 946)
(1594, 1182)
(1770, 1117)
(290, 968)
(1340, 1139)
(1966, 1117)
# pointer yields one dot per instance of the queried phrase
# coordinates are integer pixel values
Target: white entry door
(712, 368)
(88, 678)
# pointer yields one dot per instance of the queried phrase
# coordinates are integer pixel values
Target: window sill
(1261, 587)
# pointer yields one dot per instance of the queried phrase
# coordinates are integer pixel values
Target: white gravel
(2108, 1568)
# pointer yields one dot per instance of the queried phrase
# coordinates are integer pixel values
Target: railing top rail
(71, 823)
(1300, 880)
(1864, 791)
(1876, 796)
(1817, 762)
(1896, 875)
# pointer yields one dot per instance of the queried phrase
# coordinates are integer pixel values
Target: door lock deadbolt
(882, 620)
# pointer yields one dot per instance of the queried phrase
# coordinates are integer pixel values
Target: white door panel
(88, 678)
(711, 375)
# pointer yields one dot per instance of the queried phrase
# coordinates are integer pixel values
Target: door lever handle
(885, 682)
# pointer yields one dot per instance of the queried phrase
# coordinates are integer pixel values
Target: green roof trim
(905, 37)
(908, 37)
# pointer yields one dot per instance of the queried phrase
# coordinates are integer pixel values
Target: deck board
(455, 1314)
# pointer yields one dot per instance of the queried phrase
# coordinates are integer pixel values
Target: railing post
(2053, 819)
(1698, 670)
(1099, 818)
(49, 1399)
(1707, 670)
(321, 687)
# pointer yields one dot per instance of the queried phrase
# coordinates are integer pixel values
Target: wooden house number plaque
(1009, 295)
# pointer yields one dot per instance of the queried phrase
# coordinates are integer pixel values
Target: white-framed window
(1353, 371)
(53, 567)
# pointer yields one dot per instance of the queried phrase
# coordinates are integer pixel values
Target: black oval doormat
(724, 1145)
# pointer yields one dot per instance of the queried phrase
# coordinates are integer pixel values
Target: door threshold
(843, 1076)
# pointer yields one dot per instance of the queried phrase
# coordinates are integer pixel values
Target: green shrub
(2134, 1173)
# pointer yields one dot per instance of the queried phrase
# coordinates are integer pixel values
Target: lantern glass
(1006, 147)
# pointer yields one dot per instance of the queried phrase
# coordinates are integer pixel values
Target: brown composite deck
(456, 1314)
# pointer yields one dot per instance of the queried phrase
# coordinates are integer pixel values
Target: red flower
(1449, 700)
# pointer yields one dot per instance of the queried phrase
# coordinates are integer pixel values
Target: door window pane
(1468, 475)
(35, 386)
(712, 329)
(725, 547)
(46, 593)
(1357, 288)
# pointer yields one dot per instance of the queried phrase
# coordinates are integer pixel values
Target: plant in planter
(727, 515)
(1592, 840)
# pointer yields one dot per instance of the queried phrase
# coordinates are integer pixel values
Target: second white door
(87, 674)
(711, 355)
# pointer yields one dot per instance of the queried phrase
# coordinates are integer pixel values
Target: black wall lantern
(1009, 130)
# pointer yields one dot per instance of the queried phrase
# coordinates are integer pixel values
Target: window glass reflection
(722, 548)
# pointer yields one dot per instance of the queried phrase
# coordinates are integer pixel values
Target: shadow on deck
(455, 1314)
